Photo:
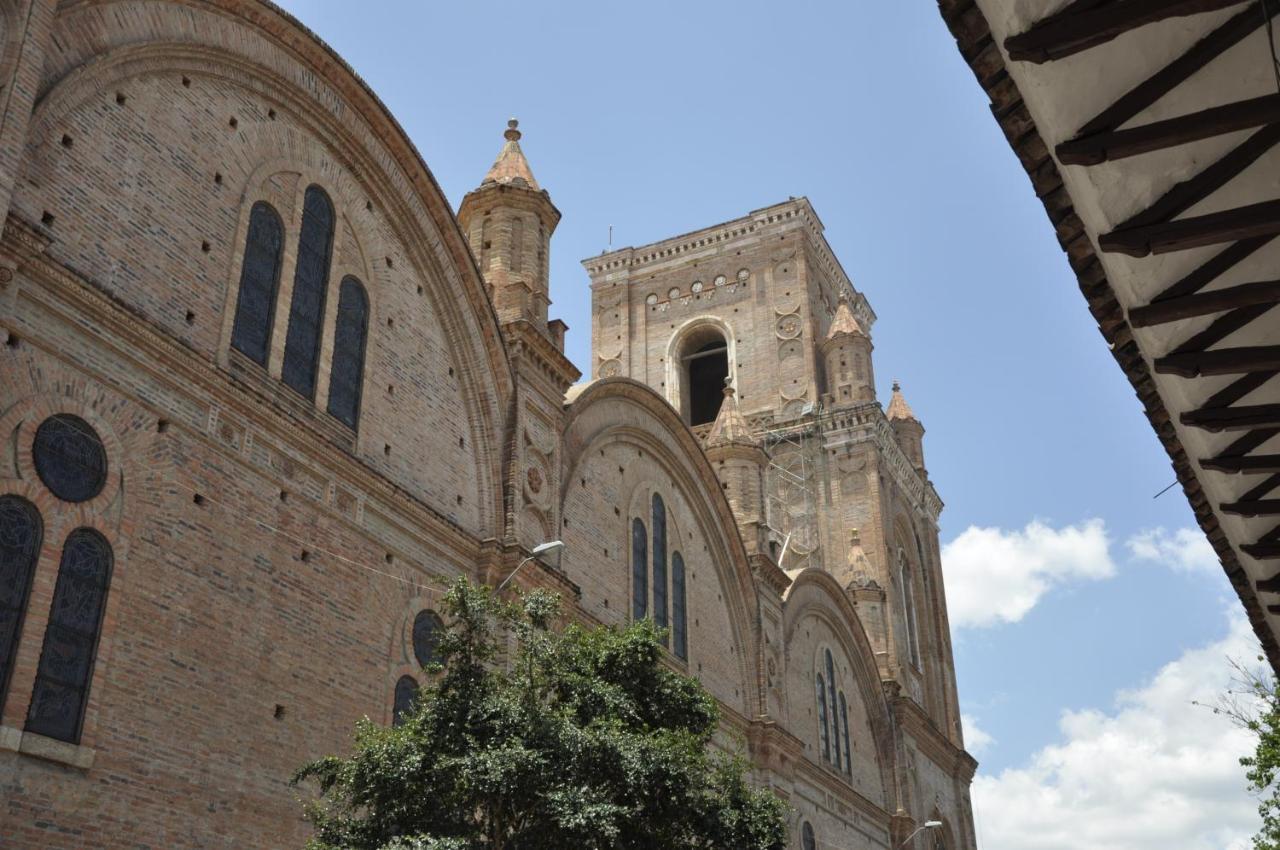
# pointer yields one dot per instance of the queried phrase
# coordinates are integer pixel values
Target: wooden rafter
(1242, 418)
(1262, 219)
(1249, 463)
(1171, 132)
(1071, 31)
(1253, 507)
(1222, 361)
(1204, 303)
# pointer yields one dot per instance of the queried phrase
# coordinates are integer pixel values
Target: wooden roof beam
(1193, 127)
(1220, 361)
(1249, 463)
(1261, 219)
(1204, 303)
(1241, 418)
(1253, 507)
(1069, 31)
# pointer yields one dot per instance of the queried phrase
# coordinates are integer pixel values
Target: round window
(70, 458)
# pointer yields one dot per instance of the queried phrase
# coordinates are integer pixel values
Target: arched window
(706, 365)
(824, 733)
(659, 556)
(679, 625)
(909, 608)
(406, 692)
(844, 727)
(639, 570)
(259, 282)
(21, 533)
(310, 280)
(427, 629)
(831, 694)
(347, 375)
(807, 841)
(71, 638)
(69, 458)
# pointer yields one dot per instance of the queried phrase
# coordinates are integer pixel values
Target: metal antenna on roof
(611, 237)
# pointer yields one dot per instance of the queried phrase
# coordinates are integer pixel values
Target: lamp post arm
(908, 839)
(512, 574)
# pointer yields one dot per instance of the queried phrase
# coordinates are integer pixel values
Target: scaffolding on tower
(790, 503)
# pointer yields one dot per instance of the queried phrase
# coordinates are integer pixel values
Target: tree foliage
(529, 738)
(1253, 703)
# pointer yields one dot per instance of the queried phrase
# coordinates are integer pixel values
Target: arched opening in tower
(705, 369)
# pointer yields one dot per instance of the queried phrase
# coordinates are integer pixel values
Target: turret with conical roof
(907, 428)
(740, 460)
(508, 221)
(846, 350)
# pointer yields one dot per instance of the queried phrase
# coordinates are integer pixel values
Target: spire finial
(512, 134)
(896, 386)
(728, 386)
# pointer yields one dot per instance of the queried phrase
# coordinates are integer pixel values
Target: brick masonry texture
(269, 561)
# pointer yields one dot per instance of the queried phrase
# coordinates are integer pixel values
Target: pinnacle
(511, 167)
(844, 322)
(898, 407)
(730, 427)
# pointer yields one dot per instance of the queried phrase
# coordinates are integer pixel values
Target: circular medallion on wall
(673, 293)
(720, 280)
(610, 369)
(697, 286)
(743, 274)
(69, 458)
(534, 479)
(651, 298)
(789, 326)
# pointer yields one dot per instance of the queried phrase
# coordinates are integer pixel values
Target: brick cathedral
(263, 395)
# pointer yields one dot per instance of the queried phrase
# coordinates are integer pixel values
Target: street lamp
(929, 824)
(538, 551)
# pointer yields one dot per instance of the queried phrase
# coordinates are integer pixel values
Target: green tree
(580, 739)
(1253, 703)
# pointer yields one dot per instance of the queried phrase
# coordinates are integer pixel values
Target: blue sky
(662, 117)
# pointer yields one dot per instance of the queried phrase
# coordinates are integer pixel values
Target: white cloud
(996, 576)
(976, 739)
(1186, 550)
(1156, 772)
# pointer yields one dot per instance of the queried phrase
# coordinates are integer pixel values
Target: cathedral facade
(263, 396)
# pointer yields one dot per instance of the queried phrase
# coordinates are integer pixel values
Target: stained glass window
(806, 837)
(659, 563)
(679, 627)
(347, 375)
(71, 638)
(21, 532)
(259, 283)
(310, 280)
(824, 733)
(427, 629)
(639, 570)
(406, 692)
(844, 727)
(831, 695)
(70, 458)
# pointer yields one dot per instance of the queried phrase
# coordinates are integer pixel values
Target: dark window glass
(427, 628)
(679, 629)
(806, 837)
(659, 563)
(259, 283)
(21, 533)
(824, 733)
(71, 638)
(310, 280)
(639, 570)
(708, 367)
(406, 692)
(347, 374)
(831, 695)
(844, 727)
(70, 458)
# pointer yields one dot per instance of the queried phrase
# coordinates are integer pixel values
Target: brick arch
(268, 54)
(621, 411)
(688, 332)
(815, 595)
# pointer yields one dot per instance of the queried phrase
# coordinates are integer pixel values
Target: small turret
(847, 356)
(906, 428)
(508, 221)
(740, 460)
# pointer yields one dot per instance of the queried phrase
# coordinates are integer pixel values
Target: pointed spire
(898, 407)
(511, 166)
(844, 323)
(730, 427)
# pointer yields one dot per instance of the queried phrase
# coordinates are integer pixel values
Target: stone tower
(762, 303)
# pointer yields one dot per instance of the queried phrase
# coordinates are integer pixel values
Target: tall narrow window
(659, 563)
(831, 694)
(639, 570)
(909, 608)
(706, 365)
(844, 727)
(406, 692)
(310, 280)
(259, 282)
(679, 625)
(824, 733)
(21, 532)
(347, 375)
(71, 638)
(807, 841)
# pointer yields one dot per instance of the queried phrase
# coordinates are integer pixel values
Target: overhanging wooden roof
(1154, 143)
